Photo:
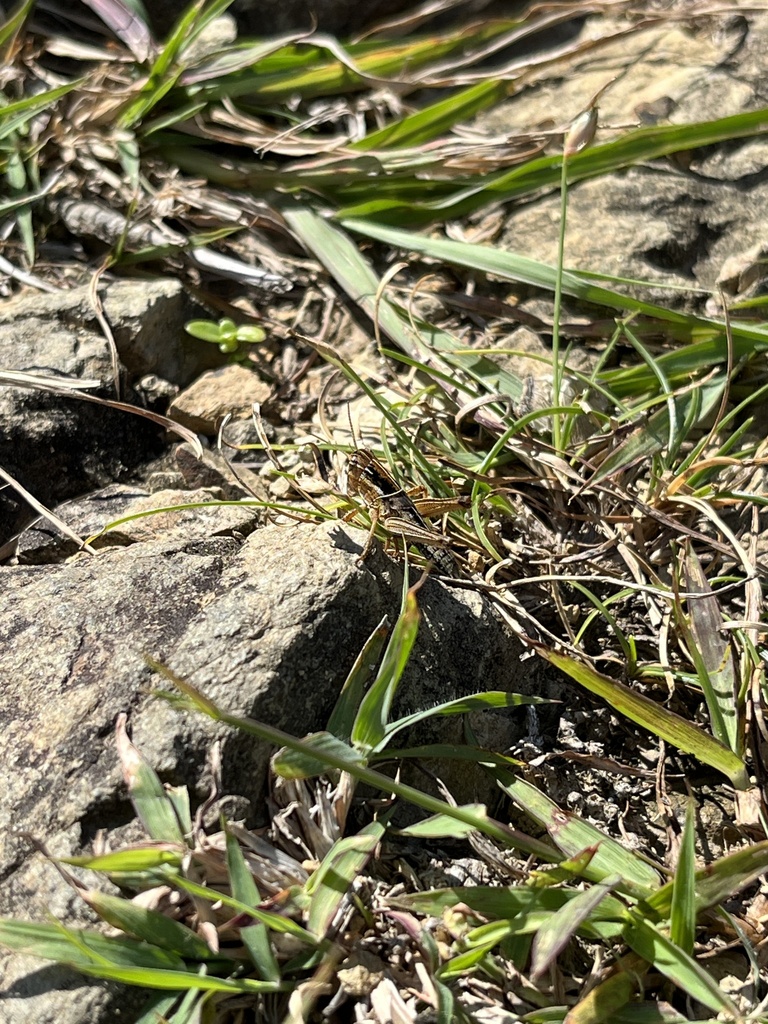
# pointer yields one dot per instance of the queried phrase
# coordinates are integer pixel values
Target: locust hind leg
(368, 546)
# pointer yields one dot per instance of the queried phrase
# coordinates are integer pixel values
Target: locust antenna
(353, 434)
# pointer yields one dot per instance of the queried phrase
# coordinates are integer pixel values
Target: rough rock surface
(59, 447)
(268, 626)
(229, 390)
(673, 221)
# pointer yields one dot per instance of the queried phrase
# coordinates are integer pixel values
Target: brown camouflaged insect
(398, 512)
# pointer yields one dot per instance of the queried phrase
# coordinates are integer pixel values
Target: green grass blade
(658, 949)
(370, 726)
(719, 880)
(193, 22)
(80, 947)
(510, 902)
(440, 826)
(573, 836)
(558, 930)
(15, 115)
(682, 919)
(144, 858)
(451, 752)
(165, 72)
(653, 435)
(241, 880)
(354, 274)
(657, 719)
(153, 805)
(12, 29)
(360, 675)
(158, 1009)
(329, 885)
(255, 937)
(712, 654)
(426, 124)
(513, 267)
(149, 925)
(16, 176)
(181, 980)
(311, 761)
(492, 700)
(195, 700)
(544, 172)
(274, 921)
(606, 1000)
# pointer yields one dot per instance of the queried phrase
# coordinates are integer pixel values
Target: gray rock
(61, 447)
(671, 221)
(268, 628)
(43, 544)
(230, 390)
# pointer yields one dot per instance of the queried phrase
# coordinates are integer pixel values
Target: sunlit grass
(626, 496)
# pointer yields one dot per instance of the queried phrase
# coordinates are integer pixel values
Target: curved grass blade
(330, 884)
(438, 826)
(426, 124)
(143, 858)
(544, 172)
(573, 836)
(513, 267)
(360, 675)
(491, 700)
(154, 807)
(255, 937)
(712, 654)
(310, 762)
(717, 881)
(343, 261)
(644, 712)
(370, 726)
(149, 925)
(557, 931)
(12, 29)
(144, 977)
(81, 947)
(196, 701)
(658, 949)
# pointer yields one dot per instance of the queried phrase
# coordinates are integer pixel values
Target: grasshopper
(397, 511)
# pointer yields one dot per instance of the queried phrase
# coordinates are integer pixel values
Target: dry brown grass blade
(43, 511)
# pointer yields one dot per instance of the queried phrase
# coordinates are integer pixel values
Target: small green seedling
(226, 333)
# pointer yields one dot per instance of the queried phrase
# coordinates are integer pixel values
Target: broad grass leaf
(440, 825)
(431, 121)
(558, 930)
(682, 918)
(81, 947)
(304, 764)
(340, 867)
(153, 805)
(149, 925)
(711, 653)
(718, 880)
(571, 835)
(360, 676)
(658, 949)
(657, 719)
(138, 858)
(370, 726)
